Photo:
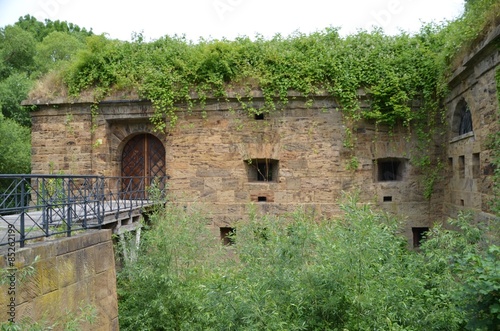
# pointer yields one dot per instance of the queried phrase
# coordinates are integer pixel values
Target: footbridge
(34, 207)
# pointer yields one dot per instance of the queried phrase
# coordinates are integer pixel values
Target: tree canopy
(28, 50)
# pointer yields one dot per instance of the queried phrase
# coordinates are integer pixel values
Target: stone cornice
(127, 98)
(482, 50)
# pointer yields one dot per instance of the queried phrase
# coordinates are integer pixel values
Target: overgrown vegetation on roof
(393, 70)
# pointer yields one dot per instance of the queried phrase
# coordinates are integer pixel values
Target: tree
(40, 30)
(15, 147)
(33, 26)
(29, 49)
(56, 47)
(17, 50)
(13, 90)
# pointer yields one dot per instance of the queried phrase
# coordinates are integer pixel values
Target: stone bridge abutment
(59, 281)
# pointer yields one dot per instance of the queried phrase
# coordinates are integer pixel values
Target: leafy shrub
(294, 273)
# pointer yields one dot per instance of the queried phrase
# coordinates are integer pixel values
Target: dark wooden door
(143, 161)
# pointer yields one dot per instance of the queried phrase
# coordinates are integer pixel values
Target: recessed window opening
(462, 119)
(475, 165)
(390, 169)
(461, 166)
(465, 121)
(450, 166)
(261, 199)
(262, 170)
(387, 198)
(419, 235)
(227, 235)
(259, 117)
(489, 169)
(462, 202)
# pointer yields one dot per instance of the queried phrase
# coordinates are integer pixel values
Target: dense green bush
(293, 273)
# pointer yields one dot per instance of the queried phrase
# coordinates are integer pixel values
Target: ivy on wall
(393, 70)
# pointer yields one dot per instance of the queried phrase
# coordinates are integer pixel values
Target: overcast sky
(216, 19)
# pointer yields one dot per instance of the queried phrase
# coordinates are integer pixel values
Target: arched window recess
(462, 121)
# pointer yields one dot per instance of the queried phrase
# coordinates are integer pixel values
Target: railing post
(41, 201)
(23, 210)
(119, 187)
(100, 201)
(86, 199)
(69, 215)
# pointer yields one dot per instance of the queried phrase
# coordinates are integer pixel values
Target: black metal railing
(129, 193)
(37, 206)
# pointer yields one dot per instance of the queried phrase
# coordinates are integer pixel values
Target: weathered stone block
(66, 269)
(49, 275)
(26, 311)
(104, 256)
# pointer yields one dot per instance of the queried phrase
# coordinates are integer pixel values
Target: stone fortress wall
(213, 160)
(473, 88)
(215, 156)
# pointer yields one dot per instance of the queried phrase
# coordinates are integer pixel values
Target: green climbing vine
(393, 70)
(94, 112)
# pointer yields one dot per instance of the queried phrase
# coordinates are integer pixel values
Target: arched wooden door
(143, 160)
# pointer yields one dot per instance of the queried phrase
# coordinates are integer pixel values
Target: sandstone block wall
(470, 180)
(61, 140)
(67, 274)
(210, 150)
(211, 153)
